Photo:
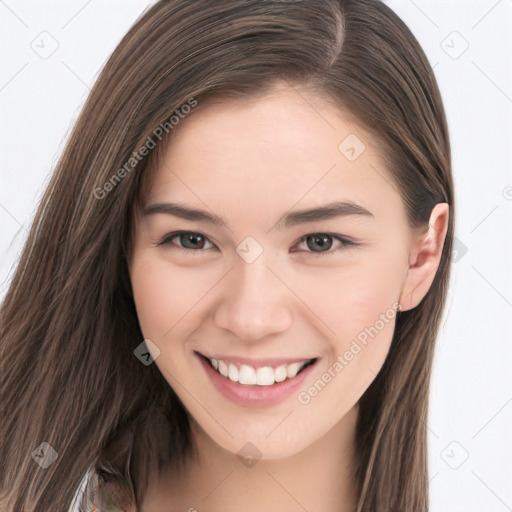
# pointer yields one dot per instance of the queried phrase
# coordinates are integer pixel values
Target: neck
(319, 478)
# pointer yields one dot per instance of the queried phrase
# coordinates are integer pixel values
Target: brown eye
(192, 240)
(323, 244)
(319, 242)
(186, 241)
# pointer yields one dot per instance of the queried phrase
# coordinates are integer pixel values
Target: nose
(253, 302)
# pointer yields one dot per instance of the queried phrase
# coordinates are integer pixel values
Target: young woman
(231, 291)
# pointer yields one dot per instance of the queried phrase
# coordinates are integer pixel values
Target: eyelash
(345, 243)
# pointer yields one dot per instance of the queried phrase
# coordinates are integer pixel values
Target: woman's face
(280, 238)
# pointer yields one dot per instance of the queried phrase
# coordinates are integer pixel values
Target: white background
(471, 408)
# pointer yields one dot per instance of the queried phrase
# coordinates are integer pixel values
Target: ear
(424, 257)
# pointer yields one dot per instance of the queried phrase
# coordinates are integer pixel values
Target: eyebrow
(326, 212)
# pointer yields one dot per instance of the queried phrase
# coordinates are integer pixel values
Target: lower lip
(256, 396)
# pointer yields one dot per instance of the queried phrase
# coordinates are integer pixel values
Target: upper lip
(257, 362)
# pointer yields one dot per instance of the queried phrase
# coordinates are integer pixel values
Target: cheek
(359, 307)
(352, 296)
(357, 304)
(165, 299)
(367, 321)
(163, 295)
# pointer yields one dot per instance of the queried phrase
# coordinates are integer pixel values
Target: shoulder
(95, 495)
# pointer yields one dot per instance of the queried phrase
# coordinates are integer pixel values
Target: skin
(252, 163)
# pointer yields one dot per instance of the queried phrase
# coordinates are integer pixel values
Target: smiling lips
(264, 375)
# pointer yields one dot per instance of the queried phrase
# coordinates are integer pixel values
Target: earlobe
(424, 258)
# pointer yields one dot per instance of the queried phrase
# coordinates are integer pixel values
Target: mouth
(257, 375)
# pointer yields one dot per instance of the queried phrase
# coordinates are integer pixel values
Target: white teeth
(223, 368)
(265, 376)
(233, 372)
(249, 376)
(292, 370)
(280, 373)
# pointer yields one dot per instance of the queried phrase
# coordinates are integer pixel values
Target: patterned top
(93, 495)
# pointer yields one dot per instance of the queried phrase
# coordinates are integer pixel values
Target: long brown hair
(68, 322)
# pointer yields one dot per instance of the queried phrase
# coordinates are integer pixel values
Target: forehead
(270, 153)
